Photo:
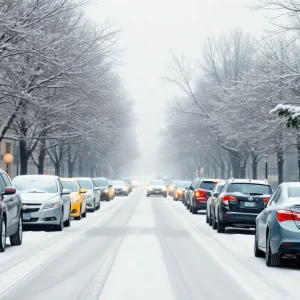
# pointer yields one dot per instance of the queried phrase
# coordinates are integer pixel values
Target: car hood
(38, 197)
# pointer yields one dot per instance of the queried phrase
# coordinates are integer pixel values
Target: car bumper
(160, 193)
(76, 209)
(285, 238)
(104, 196)
(201, 205)
(237, 218)
(44, 217)
(122, 193)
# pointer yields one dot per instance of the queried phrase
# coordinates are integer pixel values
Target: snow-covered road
(141, 248)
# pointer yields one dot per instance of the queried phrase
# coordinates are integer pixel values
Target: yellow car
(77, 197)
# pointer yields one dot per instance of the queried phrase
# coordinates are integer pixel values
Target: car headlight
(75, 200)
(105, 191)
(50, 205)
(149, 188)
(125, 189)
(164, 189)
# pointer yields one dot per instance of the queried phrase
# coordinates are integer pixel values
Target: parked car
(77, 197)
(277, 231)
(134, 183)
(156, 187)
(212, 200)
(45, 201)
(121, 188)
(170, 187)
(179, 189)
(93, 193)
(239, 203)
(10, 213)
(105, 187)
(200, 191)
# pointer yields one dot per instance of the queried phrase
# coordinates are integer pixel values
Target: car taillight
(266, 200)
(284, 215)
(225, 199)
(201, 195)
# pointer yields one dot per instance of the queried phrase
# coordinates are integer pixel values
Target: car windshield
(101, 182)
(69, 185)
(156, 182)
(250, 188)
(85, 184)
(36, 184)
(293, 192)
(208, 185)
(119, 182)
(182, 184)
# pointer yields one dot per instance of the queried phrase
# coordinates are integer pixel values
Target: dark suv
(10, 213)
(200, 191)
(239, 203)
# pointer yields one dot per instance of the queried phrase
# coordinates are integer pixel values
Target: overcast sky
(151, 30)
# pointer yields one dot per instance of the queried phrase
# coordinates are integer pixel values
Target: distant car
(200, 191)
(134, 183)
(128, 183)
(179, 189)
(10, 213)
(45, 201)
(105, 187)
(157, 187)
(211, 201)
(239, 203)
(77, 196)
(93, 193)
(277, 230)
(170, 187)
(189, 191)
(121, 188)
(112, 187)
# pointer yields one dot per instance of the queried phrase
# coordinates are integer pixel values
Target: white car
(93, 194)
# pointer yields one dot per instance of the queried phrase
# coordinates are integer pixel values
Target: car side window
(6, 180)
(275, 197)
(2, 184)
(60, 186)
(197, 184)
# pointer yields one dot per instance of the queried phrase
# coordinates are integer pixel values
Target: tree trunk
(243, 169)
(24, 157)
(254, 165)
(41, 158)
(235, 165)
(280, 162)
(223, 169)
(57, 168)
(70, 168)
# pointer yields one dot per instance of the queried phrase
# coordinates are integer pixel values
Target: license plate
(117, 192)
(157, 192)
(26, 217)
(249, 204)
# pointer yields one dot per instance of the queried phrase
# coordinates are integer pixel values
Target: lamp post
(8, 158)
(266, 166)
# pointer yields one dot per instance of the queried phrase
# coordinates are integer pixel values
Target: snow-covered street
(141, 248)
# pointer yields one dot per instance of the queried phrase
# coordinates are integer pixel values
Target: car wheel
(165, 195)
(210, 219)
(3, 235)
(214, 222)
(98, 206)
(257, 251)
(194, 210)
(220, 226)
(60, 226)
(94, 207)
(84, 214)
(148, 195)
(67, 223)
(272, 260)
(16, 239)
(79, 217)
(207, 220)
(188, 207)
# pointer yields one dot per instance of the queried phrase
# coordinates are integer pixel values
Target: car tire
(98, 206)
(84, 214)
(257, 251)
(188, 207)
(94, 207)
(67, 223)
(272, 260)
(194, 210)
(16, 239)
(214, 222)
(3, 235)
(210, 219)
(79, 217)
(60, 226)
(165, 195)
(207, 220)
(220, 226)
(148, 195)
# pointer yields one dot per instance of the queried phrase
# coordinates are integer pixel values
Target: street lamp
(266, 165)
(8, 158)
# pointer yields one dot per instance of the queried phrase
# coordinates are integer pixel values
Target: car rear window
(208, 185)
(85, 184)
(294, 192)
(100, 182)
(69, 185)
(250, 188)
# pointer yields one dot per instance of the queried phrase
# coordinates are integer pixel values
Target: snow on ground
(139, 268)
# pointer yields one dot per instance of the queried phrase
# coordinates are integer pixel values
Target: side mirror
(9, 191)
(83, 191)
(191, 188)
(110, 186)
(96, 189)
(66, 192)
(209, 193)
(216, 195)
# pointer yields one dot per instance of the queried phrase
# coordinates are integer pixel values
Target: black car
(239, 203)
(10, 213)
(105, 187)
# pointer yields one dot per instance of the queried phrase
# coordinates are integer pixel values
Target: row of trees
(225, 119)
(60, 94)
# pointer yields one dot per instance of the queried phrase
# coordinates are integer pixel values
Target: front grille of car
(31, 220)
(31, 210)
